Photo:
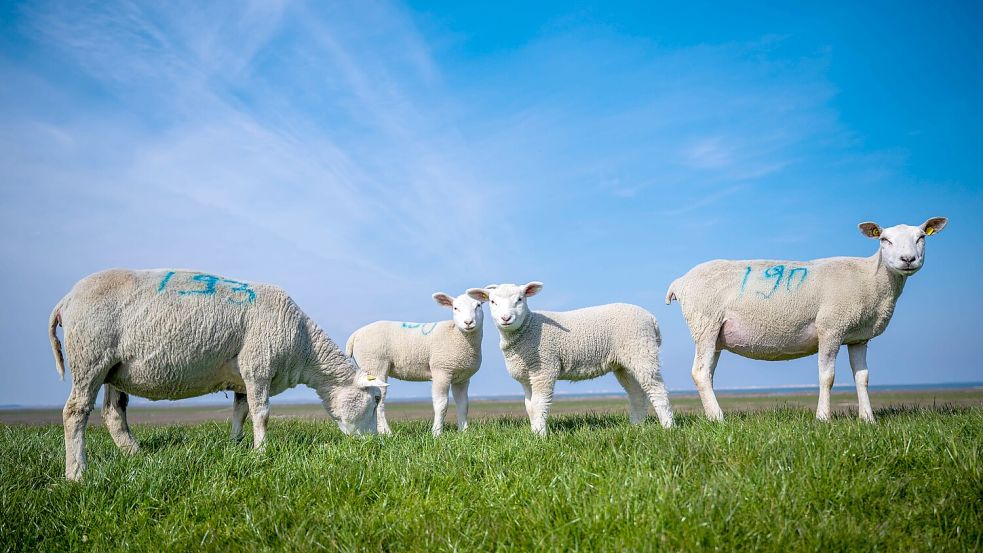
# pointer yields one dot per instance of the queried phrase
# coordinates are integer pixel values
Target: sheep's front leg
(539, 405)
(461, 401)
(439, 390)
(858, 362)
(527, 390)
(240, 410)
(827, 372)
(258, 399)
(114, 404)
(381, 424)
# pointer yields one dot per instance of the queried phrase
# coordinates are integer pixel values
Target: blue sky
(365, 155)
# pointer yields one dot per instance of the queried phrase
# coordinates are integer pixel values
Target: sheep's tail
(671, 293)
(350, 345)
(53, 323)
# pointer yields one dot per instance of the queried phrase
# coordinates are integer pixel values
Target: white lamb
(775, 310)
(541, 347)
(170, 334)
(446, 352)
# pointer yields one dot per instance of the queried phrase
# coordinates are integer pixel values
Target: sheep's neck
(326, 366)
(509, 338)
(889, 286)
(472, 339)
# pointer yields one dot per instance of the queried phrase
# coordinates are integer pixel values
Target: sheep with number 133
(163, 334)
(776, 310)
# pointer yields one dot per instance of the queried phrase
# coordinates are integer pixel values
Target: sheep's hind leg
(655, 391)
(75, 416)
(240, 410)
(114, 404)
(460, 390)
(637, 403)
(858, 362)
(704, 365)
(827, 372)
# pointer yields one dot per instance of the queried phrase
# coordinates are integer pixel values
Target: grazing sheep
(775, 310)
(446, 352)
(541, 347)
(163, 334)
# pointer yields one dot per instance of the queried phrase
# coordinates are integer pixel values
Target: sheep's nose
(468, 323)
(506, 318)
(908, 258)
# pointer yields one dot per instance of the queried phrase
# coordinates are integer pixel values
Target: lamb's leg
(858, 362)
(240, 410)
(637, 403)
(654, 387)
(539, 405)
(382, 425)
(704, 365)
(527, 390)
(827, 372)
(75, 416)
(114, 414)
(461, 402)
(441, 386)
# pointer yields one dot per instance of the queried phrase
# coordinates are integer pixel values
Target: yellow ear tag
(876, 232)
(370, 377)
(930, 231)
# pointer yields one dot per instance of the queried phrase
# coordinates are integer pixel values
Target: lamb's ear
(366, 380)
(870, 230)
(532, 288)
(443, 299)
(934, 225)
(479, 294)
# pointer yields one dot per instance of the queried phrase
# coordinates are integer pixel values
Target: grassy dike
(766, 480)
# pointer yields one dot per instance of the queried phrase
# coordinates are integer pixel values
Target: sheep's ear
(366, 380)
(479, 294)
(934, 225)
(870, 230)
(443, 299)
(532, 288)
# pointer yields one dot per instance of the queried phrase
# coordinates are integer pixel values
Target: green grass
(768, 480)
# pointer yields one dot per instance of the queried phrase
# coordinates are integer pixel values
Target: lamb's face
(468, 314)
(353, 406)
(467, 311)
(903, 246)
(508, 302)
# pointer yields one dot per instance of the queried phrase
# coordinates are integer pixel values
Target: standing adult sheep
(448, 353)
(541, 347)
(169, 334)
(776, 310)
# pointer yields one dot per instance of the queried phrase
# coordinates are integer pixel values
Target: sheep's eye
(886, 241)
(493, 302)
(455, 309)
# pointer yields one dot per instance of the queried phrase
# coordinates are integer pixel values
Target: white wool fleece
(776, 310)
(445, 352)
(172, 334)
(541, 347)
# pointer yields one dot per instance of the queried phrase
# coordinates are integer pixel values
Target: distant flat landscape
(843, 401)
